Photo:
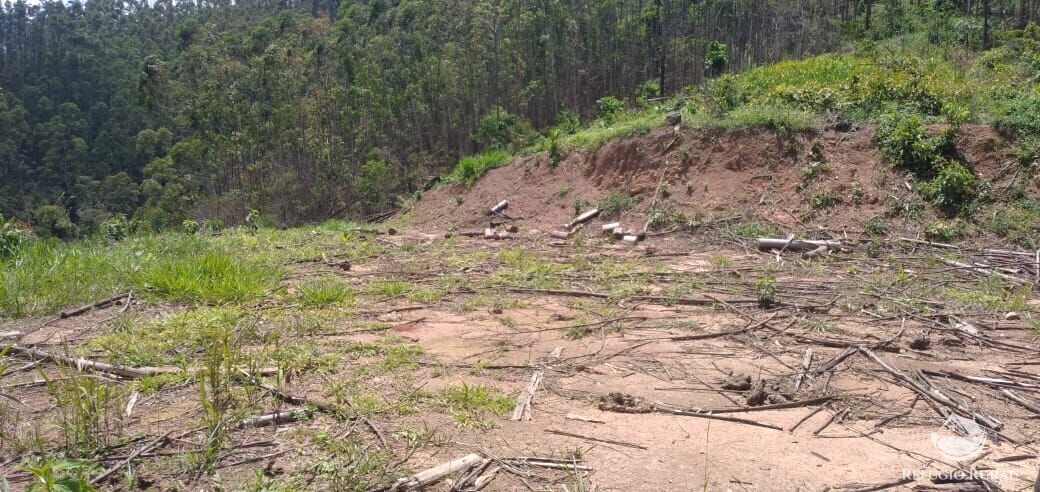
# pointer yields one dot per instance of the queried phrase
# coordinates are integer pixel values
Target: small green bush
(500, 129)
(615, 203)
(609, 107)
(118, 227)
(715, 59)
(53, 221)
(472, 167)
(953, 186)
(12, 235)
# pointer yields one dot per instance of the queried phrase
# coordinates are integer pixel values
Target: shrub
(715, 59)
(500, 129)
(765, 291)
(53, 221)
(118, 227)
(953, 186)
(903, 142)
(647, 90)
(189, 226)
(944, 231)
(609, 107)
(615, 203)
(12, 235)
(472, 167)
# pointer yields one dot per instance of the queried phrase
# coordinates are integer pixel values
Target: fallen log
(275, 418)
(499, 207)
(583, 218)
(97, 305)
(433, 475)
(766, 244)
(560, 234)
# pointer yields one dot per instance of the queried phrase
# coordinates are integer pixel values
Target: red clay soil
(707, 172)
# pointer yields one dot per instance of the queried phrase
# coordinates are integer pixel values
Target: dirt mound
(829, 179)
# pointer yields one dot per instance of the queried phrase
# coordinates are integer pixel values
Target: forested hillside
(304, 111)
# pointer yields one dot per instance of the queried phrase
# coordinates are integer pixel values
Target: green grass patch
(177, 339)
(473, 405)
(472, 167)
(213, 277)
(44, 277)
(324, 292)
(625, 124)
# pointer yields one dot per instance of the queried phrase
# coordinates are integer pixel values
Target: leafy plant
(60, 475)
(616, 202)
(324, 292)
(470, 168)
(765, 291)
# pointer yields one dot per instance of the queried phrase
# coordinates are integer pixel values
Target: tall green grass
(472, 167)
(44, 277)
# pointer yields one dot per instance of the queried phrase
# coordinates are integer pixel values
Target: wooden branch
(776, 406)
(499, 207)
(833, 417)
(766, 244)
(1021, 401)
(704, 336)
(806, 362)
(154, 443)
(877, 487)
(987, 271)
(522, 411)
(807, 417)
(291, 399)
(935, 397)
(433, 475)
(82, 364)
(97, 305)
(735, 420)
(595, 439)
(560, 234)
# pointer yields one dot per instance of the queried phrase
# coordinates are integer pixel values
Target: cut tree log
(560, 234)
(499, 207)
(766, 244)
(274, 418)
(433, 475)
(583, 218)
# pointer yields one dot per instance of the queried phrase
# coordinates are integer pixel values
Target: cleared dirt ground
(690, 361)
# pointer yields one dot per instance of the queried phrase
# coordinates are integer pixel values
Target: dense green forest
(172, 111)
